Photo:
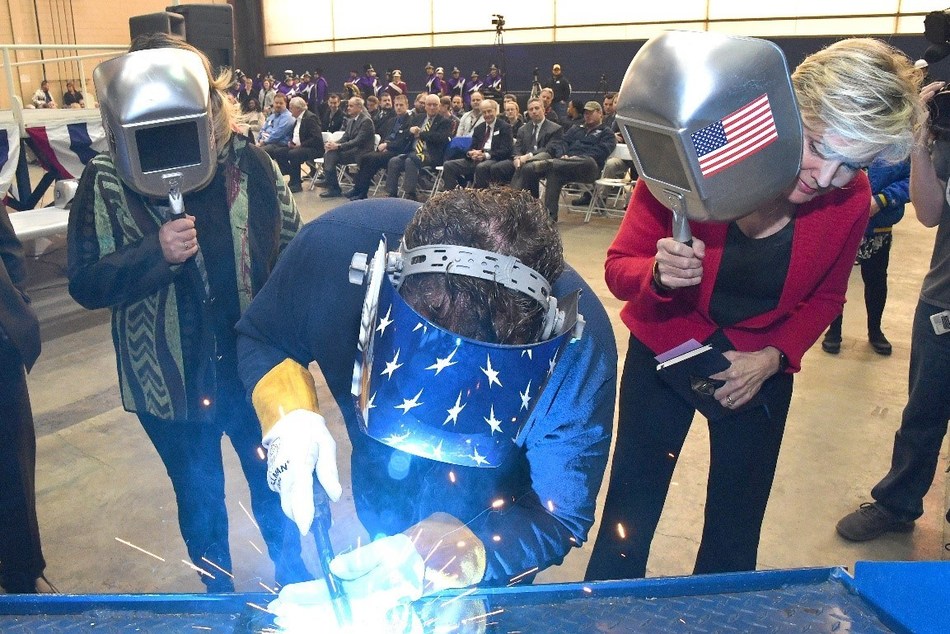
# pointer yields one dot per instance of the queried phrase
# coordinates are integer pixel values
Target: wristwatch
(782, 361)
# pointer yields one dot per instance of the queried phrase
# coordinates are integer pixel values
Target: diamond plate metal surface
(823, 607)
(694, 605)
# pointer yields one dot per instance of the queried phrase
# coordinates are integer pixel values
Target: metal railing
(16, 105)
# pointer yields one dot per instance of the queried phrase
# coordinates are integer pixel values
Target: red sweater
(827, 233)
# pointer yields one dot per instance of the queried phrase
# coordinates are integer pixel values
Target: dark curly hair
(498, 219)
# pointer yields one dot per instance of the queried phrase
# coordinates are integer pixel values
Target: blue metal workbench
(882, 597)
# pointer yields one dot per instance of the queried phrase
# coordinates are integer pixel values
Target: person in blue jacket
(471, 524)
(889, 187)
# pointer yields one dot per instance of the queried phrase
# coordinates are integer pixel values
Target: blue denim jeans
(191, 453)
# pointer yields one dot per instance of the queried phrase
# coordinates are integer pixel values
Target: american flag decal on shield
(735, 137)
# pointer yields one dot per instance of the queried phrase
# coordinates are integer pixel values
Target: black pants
(369, 163)
(289, 160)
(923, 424)
(191, 453)
(652, 427)
(333, 158)
(21, 555)
(874, 275)
(557, 172)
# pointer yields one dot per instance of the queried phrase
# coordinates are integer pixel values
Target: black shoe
(831, 344)
(870, 521)
(411, 196)
(295, 188)
(331, 193)
(583, 201)
(880, 344)
(356, 196)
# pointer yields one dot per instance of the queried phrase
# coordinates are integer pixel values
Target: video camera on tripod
(498, 21)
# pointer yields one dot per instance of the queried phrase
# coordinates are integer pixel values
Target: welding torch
(321, 536)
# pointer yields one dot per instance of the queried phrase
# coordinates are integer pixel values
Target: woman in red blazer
(762, 288)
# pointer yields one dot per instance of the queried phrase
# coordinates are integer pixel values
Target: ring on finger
(729, 401)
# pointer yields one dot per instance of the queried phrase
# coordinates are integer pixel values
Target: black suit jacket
(550, 133)
(311, 136)
(359, 135)
(502, 144)
(436, 137)
(334, 122)
(18, 324)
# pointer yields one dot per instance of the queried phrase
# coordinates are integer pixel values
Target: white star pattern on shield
(392, 366)
(491, 373)
(437, 451)
(409, 403)
(493, 422)
(443, 362)
(385, 321)
(454, 411)
(476, 458)
(525, 399)
(396, 439)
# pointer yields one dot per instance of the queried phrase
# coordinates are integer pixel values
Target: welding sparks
(587, 589)
(497, 504)
(496, 538)
(521, 576)
(200, 571)
(551, 505)
(255, 547)
(432, 551)
(621, 531)
(460, 596)
(201, 627)
(260, 607)
(214, 565)
(452, 477)
(271, 590)
(671, 455)
(249, 516)
(131, 545)
(261, 454)
(482, 616)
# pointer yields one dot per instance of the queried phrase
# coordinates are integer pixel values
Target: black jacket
(311, 136)
(597, 143)
(436, 138)
(502, 145)
(550, 133)
(18, 324)
(334, 122)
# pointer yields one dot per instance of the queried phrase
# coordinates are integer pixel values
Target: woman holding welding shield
(178, 266)
(761, 289)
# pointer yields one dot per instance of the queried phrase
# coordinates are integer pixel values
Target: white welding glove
(306, 607)
(296, 445)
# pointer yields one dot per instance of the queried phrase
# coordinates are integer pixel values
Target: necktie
(537, 129)
(420, 144)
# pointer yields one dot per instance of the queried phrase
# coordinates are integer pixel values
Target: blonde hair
(862, 94)
(222, 114)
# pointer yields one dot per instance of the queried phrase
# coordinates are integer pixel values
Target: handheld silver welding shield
(156, 113)
(712, 123)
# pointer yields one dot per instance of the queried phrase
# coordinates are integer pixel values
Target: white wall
(317, 26)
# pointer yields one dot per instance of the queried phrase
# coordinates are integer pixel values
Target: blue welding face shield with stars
(432, 393)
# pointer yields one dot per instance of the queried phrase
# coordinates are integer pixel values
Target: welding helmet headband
(424, 390)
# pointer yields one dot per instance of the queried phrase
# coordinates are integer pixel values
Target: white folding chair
(318, 162)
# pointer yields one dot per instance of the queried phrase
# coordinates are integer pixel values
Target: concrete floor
(99, 480)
